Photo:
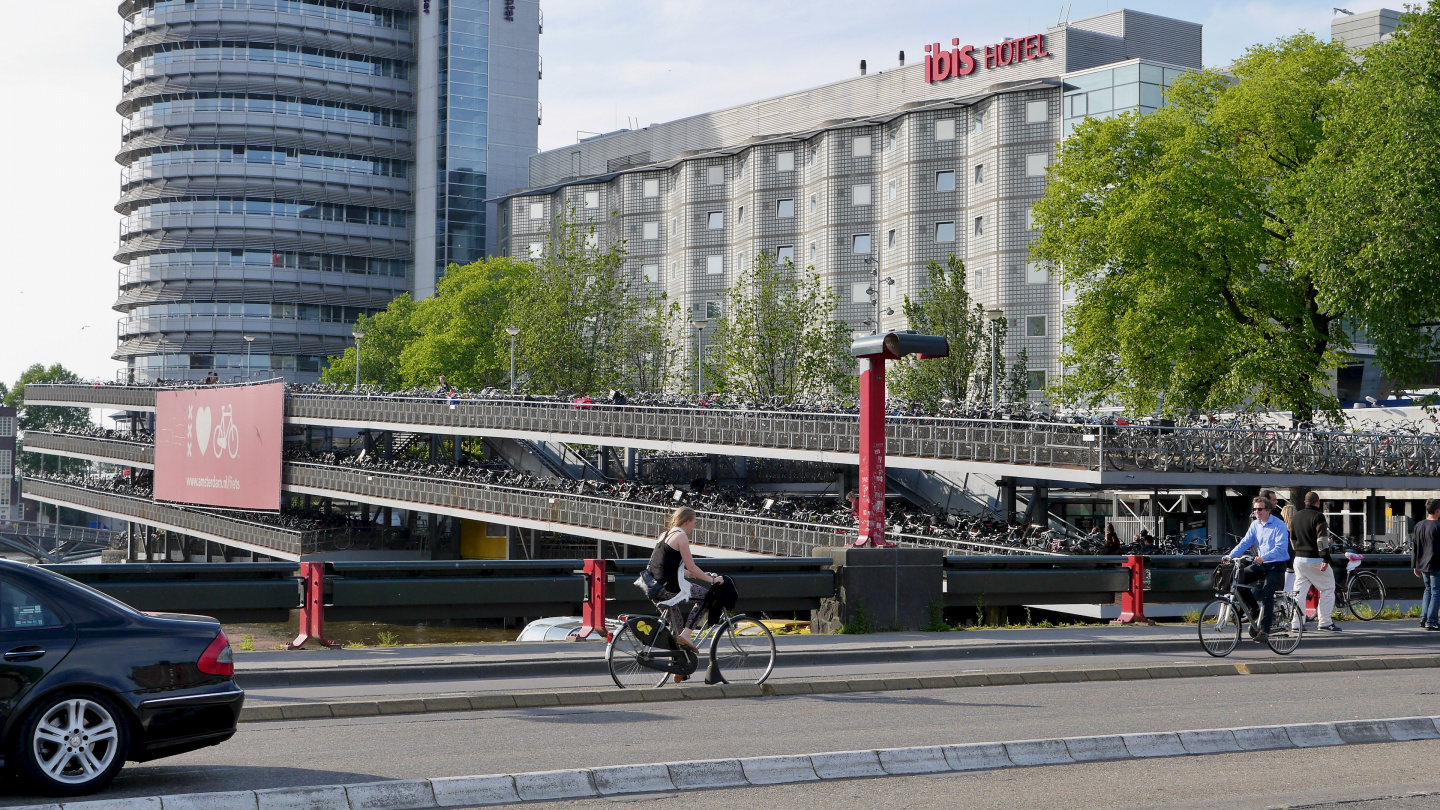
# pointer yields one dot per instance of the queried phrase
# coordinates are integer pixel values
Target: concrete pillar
(894, 587)
(1217, 521)
(1007, 500)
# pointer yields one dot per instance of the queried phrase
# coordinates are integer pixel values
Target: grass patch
(385, 638)
(247, 643)
(860, 623)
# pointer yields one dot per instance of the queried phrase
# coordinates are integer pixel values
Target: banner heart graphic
(202, 428)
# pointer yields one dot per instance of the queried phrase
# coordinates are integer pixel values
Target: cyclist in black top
(672, 553)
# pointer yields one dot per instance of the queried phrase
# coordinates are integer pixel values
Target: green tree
(945, 308)
(1177, 230)
(460, 331)
(1016, 383)
(387, 334)
(44, 417)
(1372, 231)
(778, 336)
(654, 349)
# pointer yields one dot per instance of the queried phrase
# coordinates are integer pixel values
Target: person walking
(1267, 533)
(1425, 559)
(1308, 531)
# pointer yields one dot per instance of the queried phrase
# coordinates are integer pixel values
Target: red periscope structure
(873, 351)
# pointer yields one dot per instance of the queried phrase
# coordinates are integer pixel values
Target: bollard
(593, 612)
(312, 608)
(1132, 601)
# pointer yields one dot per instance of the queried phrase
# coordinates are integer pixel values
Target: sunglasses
(1261, 509)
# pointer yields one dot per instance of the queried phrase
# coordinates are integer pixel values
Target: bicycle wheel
(1366, 595)
(627, 658)
(1285, 635)
(744, 650)
(1219, 627)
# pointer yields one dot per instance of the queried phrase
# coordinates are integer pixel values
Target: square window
(785, 253)
(860, 292)
(715, 265)
(650, 230)
(1036, 273)
(537, 210)
(945, 129)
(1034, 326)
(890, 238)
(944, 181)
(1037, 112)
(536, 250)
(652, 272)
(715, 175)
(785, 209)
(944, 232)
(784, 161)
(592, 240)
(1035, 380)
(715, 221)
(979, 226)
(1036, 163)
(592, 199)
(860, 147)
(860, 195)
(979, 173)
(861, 243)
(651, 187)
(812, 203)
(713, 309)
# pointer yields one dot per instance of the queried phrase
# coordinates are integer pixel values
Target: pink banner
(220, 446)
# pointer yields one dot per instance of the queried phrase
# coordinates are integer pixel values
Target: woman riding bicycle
(672, 553)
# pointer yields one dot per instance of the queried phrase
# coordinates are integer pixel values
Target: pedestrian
(1112, 540)
(1309, 543)
(443, 387)
(1425, 559)
(1267, 533)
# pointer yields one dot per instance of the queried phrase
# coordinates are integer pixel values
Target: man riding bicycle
(1271, 540)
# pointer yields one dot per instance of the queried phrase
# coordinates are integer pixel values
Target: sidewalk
(419, 664)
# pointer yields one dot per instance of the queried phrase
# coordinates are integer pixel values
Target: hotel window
(650, 230)
(894, 189)
(979, 122)
(812, 203)
(1030, 218)
(652, 272)
(944, 181)
(714, 265)
(715, 175)
(1037, 112)
(812, 253)
(1036, 273)
(1035, 380)
(890, 239)
(537, 210)
(785, 253)
(1035, 164)
(860, 243)
(944, 232)
(1034, 326)
(979, 226)
(592, 240)
(945, 129)
(860, 147)
(715, 221)
(674, 226)
(860, 292)
(860, 195)
(814, 155)
(892, 140)
(713, 309)
(784, 161)
(740, 216)
(979, 173)
(785, 209)
(592, 199)
(535, 250)
(651, 188)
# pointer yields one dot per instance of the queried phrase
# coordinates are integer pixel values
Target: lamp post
(699, 358)
(357, 334)
(249, 341)
(512, 331)
(994, 316)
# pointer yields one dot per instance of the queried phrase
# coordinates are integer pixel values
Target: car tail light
(217, 659)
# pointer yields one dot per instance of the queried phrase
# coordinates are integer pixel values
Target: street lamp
(249, 341)
(699, 364)
(512, 331)
(994, 316)
(357, 334)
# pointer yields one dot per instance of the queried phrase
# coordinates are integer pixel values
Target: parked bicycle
(1221, 619)
(1360, 592)
(643, 653)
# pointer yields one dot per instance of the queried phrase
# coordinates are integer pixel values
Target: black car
(88, 682)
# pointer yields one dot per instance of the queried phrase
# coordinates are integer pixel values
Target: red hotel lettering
(941, 64)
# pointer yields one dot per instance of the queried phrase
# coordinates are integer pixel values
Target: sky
(607, 62)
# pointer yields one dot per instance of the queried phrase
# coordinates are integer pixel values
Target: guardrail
(1006, 581)
(48, 542)
(230, 592)
(112, 451)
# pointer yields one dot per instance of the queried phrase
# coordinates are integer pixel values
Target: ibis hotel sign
(963, 60)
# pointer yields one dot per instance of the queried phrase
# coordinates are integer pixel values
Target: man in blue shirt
(1271, 540)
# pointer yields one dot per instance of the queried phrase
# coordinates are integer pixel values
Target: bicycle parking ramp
(741, 772)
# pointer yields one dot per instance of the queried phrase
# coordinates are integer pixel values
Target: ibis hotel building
(870, 178)
(288, 165)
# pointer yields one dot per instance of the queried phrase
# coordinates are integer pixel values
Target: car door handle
(24, 654)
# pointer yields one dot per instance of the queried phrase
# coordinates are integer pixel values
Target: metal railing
(48, 542)
(116, 451)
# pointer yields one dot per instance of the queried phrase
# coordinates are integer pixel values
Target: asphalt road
(399, 747)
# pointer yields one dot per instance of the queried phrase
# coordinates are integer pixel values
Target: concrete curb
(594, 697)
(588, 783)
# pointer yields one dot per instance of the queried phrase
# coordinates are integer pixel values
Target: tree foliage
(460, 331)
(1178, 232)
(387, 334)
(778, 336)
(944, 307)
(44, 417)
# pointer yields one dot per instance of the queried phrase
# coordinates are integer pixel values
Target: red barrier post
(312, 608)
(593, 611)
(1132, 601)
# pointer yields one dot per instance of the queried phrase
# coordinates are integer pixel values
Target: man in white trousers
(1308, 532)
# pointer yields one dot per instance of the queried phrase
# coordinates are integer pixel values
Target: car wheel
(74, 744)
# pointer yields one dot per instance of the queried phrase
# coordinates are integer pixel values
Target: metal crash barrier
(231, 592)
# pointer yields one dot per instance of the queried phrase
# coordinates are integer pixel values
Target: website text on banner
(220, 446)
